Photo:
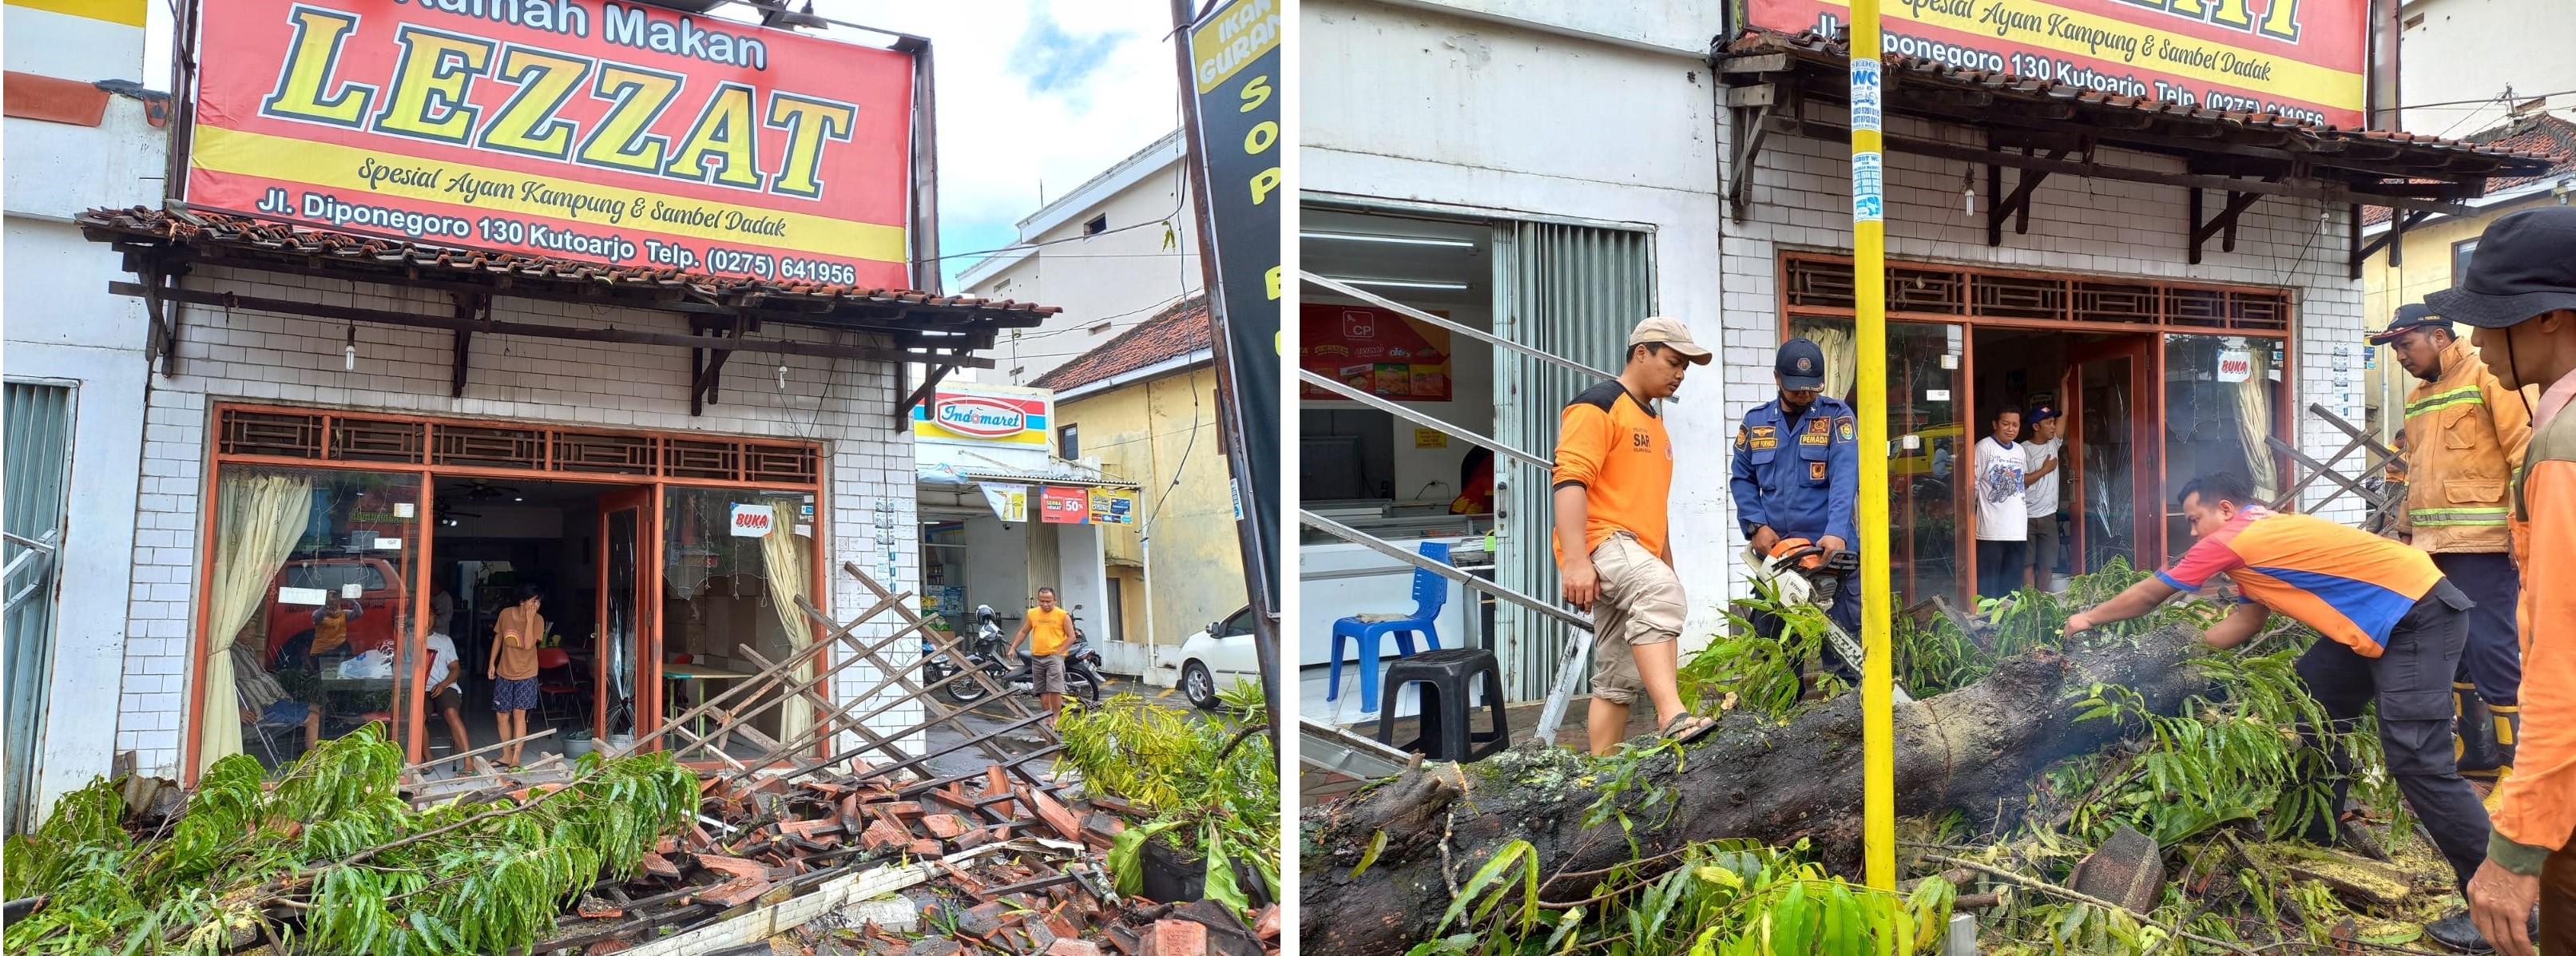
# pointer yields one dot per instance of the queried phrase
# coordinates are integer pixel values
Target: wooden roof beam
(1923, 147)
(340, 313)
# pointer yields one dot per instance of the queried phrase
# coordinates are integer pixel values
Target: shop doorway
(342, 541)
(2100, 498)
(653, 603)
(578, 546)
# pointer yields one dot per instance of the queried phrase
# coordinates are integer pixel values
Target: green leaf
(1220, 883)
(1490, 876)
(1377, 844)
(1126, 855)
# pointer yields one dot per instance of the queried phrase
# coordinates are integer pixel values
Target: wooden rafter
(929, 384)
(340, 313)
(469, 307)
(706, 365)
(161, 340)
(2223, 222)
(142, 254)
(2016, 205)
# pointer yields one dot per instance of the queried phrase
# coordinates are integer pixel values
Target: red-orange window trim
(2283, 417)
(413, 744)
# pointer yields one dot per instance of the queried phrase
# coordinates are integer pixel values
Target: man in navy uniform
(1797, 472)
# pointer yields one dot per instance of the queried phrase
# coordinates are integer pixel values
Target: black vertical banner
(1234, 65)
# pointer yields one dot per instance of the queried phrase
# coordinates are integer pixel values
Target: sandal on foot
(1686, 728)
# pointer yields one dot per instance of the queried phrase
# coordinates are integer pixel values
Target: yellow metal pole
(1869, 274)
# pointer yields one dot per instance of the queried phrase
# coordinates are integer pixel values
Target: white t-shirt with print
(2003, 507)
(2042, 494)
(442, 657)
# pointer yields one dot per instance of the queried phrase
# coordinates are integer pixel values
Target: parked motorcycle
(991, 653)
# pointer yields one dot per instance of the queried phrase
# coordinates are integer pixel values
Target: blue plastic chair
(1430, 592)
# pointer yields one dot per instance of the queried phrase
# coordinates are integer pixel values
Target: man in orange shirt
(1046, 629)
(2520, 293)
(1614, 480)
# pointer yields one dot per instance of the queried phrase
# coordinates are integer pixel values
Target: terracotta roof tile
(1755, 41)
(2545, 135)
(1180, 329)
(205, 227)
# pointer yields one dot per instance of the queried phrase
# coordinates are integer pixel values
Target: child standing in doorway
(513, 667)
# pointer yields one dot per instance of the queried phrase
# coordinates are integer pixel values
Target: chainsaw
(1803, 572)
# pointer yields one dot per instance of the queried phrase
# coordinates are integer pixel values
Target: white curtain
(1842, 355)
(258, 521)
(2254, 422)
(789, 563)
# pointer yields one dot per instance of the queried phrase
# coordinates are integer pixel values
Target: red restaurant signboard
(2300, 59)
(607, 131)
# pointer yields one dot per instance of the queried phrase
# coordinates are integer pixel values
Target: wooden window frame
(659, 481)
(2283, 416)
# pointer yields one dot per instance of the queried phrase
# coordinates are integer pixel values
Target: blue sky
(1034, 97)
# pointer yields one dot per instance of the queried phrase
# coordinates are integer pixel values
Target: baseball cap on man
(1672, 334)
(2409, 318)
(2525, 265)
(2041, 413)
(1801, 365)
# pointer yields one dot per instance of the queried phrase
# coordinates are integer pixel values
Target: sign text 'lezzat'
(615, 132)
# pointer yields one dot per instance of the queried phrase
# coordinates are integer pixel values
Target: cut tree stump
(1973, 749)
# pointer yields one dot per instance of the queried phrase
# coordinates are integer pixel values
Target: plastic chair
(268, 734)
(1449, 680)
(554, 659)
(1430, 593)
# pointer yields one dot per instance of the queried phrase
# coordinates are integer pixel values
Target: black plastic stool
(1447, 676)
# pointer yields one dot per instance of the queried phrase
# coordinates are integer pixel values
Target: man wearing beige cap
(1614, 480)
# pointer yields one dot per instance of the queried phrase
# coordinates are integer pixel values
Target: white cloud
(1034, 96)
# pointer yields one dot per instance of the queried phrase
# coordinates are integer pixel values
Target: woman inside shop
(513, 667)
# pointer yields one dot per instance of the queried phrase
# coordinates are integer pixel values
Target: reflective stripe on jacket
(2535, 808)
(2465, 438)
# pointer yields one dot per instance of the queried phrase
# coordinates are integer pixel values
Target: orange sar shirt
(1049, 631)
(1615, 448)
(2535, 811)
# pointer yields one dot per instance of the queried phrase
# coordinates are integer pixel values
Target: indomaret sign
(615, 132)
(2304, 60)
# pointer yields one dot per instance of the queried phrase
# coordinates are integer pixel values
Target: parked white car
(1218, 656)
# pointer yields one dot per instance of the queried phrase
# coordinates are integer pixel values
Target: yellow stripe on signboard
(337, 167)
(1236, 35)
(2045, 26)
(127, 12)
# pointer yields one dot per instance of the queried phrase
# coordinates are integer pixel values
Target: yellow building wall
(2425, 268)
(1151, 433)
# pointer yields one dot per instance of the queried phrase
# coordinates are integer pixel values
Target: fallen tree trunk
(1973, 749)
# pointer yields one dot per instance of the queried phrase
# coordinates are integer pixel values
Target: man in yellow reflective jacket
(2465, 437)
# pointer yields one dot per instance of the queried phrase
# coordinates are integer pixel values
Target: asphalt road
(990, 716)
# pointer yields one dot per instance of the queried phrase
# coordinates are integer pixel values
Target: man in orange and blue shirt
(2393, 631)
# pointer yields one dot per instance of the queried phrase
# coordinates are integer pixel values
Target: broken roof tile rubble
(982, 866)
(891, 854)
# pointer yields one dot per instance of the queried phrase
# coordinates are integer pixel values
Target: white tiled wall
(236, 355)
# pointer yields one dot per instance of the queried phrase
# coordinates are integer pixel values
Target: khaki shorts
(1046, 673)
(1641, 603)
